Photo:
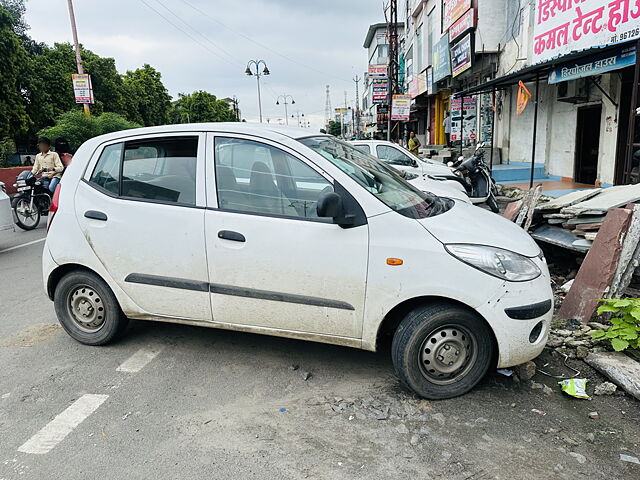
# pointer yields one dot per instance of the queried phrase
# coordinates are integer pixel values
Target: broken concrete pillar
(598, 269)
(619, 368)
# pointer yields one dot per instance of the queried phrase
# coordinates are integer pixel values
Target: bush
(7, 148)
(77, 128)
(625, 329)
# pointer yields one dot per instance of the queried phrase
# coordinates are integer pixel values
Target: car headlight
(497, 262)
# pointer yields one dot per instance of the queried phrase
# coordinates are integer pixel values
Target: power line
(178, 27)
(233, 58)
(275, 52)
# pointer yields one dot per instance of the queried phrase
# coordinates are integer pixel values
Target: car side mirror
(414, 164)
(329, 205)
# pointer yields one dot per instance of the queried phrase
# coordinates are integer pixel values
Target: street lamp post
(285, 99)
(298, 114)
(265, 71)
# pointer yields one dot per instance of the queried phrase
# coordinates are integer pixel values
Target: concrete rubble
(619, 368)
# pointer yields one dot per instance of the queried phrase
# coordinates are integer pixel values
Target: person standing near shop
(414, 144)
(447, 128)
(49, 163)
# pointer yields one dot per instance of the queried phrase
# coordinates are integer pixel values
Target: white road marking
(23, 245)
(140, 359)
(61, 426)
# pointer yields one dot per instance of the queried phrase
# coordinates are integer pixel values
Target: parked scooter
(474, 174)
(32, 201)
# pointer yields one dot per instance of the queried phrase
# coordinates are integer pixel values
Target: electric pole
(328, 111)
(392, 34)
(74, 31)
(356, 79)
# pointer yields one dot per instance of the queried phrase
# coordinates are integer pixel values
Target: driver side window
(254, 177)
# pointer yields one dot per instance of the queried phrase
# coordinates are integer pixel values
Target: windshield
(381, 181)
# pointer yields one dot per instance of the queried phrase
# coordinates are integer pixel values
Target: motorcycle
(474, 174)
(32, 201)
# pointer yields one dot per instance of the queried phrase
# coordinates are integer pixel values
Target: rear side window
(159, 169)
(106, 175)
(364, 148)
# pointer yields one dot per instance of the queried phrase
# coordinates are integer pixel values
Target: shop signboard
(422, 83)
(461, 56)
(400, 107)
(565, 26)
(413, 88)
(380, 88)
(452, 10)
(469, 119)
(430, 88)
(377, 71)
(594, 65)
(82, 88)
(441, 61)
(465, 23)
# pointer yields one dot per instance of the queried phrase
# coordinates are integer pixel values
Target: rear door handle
(95, 215)
(233, 236)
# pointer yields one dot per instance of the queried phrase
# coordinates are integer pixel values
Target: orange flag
(524, 96)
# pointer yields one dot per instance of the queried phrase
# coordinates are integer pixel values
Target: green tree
(16, 9)
(77, 128)
(201, 106)
(13, 114)
(334, 128)
(147, 100)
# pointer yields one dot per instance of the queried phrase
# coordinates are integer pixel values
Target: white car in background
(6, 217)
(417, 170)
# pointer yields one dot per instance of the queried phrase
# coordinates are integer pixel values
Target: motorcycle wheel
(26, 218)
(493, 204)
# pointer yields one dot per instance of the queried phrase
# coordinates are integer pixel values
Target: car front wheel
(87, 309)
(441, 351)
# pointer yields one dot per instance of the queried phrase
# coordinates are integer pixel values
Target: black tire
(493, 204)
(108, 320)
(36, 214)
(428, 323)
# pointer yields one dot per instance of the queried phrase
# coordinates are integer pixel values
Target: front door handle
(233, 236)
(95, 215)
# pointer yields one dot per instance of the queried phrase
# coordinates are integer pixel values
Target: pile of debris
(574, 220)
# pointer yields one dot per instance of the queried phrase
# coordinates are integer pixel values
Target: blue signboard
(441, 63)
(594, 65)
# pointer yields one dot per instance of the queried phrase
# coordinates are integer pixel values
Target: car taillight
(54, 206)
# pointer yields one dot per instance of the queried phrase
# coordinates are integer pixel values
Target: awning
(528, 74)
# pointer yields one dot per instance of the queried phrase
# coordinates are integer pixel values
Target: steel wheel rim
(86, 309)
(21, 212)
(447, 354)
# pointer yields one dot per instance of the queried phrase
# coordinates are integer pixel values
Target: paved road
(179, 402)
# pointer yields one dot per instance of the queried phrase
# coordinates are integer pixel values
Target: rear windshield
(374, 176)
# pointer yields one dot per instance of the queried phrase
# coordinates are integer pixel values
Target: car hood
(466, 223)
(433, 168)
(448, 189)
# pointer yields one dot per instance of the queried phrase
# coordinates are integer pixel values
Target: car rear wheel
(87, 309)
(441, 351)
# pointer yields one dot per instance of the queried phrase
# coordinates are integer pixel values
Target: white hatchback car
(6, 215)
(419, 169)
(275, 231)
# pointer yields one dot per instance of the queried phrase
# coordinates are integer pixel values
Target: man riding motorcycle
(50, 164)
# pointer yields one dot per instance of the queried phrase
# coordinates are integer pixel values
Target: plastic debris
(594, 415)
(576, 387)
(629, 458)
(539, 412)
(282, 410)
(505, 371)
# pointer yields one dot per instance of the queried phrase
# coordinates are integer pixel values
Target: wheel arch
(392, 319)
(56, 275)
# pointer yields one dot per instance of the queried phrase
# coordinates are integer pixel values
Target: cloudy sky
(206, 44)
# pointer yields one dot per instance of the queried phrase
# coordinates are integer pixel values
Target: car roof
(266, 130)
(374, 142)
